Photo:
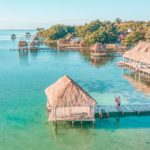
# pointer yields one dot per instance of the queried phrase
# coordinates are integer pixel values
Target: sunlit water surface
(23, 116)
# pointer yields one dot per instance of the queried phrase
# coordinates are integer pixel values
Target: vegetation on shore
(125, 32)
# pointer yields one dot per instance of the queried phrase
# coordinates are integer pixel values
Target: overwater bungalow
(98, 50)
(138, 58)
(23, 45)
(67, 101)
(13, 36)
(28, 35)
(71, 42)
(34, 45)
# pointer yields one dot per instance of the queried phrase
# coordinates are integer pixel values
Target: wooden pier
(106, 111)
(38, 49)
(145, 71)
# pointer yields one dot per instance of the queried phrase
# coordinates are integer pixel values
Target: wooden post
(93, 123)
(107, 113)
(93, 112)
(55, 113)
(100, 112)
(64, 122)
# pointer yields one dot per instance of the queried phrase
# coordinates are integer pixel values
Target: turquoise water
(23, 116)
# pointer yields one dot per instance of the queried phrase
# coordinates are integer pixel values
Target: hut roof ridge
(67, 93)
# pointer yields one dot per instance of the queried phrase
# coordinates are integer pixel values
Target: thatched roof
(13, 36)
(69, 36)
(67, 93)
(139, 53)
(97, 47)
(22, 43)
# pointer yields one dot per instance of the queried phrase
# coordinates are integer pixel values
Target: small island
(125, 34)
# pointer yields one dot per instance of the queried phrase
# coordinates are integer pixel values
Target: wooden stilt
(107, 113)
(93, 123)
(100, 112)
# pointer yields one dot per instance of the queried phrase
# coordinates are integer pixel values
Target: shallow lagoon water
(23, 116)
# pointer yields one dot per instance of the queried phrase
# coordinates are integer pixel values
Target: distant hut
(23, 45)
(66, 100)
(28, 35)
(129, 30)
(69, 37)
(138, 58)
(13, 36)
(34, 45)
(82, 43)
(111, 47)
(98, 47)
(75, 40)
(60, 42)
(98, 50)
(139, 54)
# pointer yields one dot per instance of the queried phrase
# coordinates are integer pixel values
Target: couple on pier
(118, 101)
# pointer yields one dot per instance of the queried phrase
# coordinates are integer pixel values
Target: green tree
(133, 37)
(103, 32)
(88, 28)
(56, 32)
(59, 31)
(118, 20)
(147, 35)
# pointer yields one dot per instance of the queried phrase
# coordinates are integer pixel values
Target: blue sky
(43, 13)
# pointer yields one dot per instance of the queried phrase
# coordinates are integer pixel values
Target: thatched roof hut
(28, 35)
(13, 36)
(98, 47)
(23, 45)
(140, 53)
(69, 37)
(66, 100)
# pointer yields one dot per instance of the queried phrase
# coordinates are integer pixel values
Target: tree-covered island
(126, 33)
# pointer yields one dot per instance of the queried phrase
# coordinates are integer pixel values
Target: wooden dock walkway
(39, 49)
(133, 66)
(106, 111)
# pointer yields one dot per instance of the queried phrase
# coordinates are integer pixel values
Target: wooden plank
(134, 108)
(148, 107)
(104, 110)
(128, 108)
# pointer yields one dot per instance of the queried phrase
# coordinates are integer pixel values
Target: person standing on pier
(118, 101)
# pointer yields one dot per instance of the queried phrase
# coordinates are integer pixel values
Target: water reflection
(34, 53)
(100, 62)
(85, 55)
(68, 137)
(96, 62)
(139, 82)
(23, 57)
(65, 132)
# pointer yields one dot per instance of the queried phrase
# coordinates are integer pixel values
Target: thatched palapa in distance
(140, 53)
(98, 47)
